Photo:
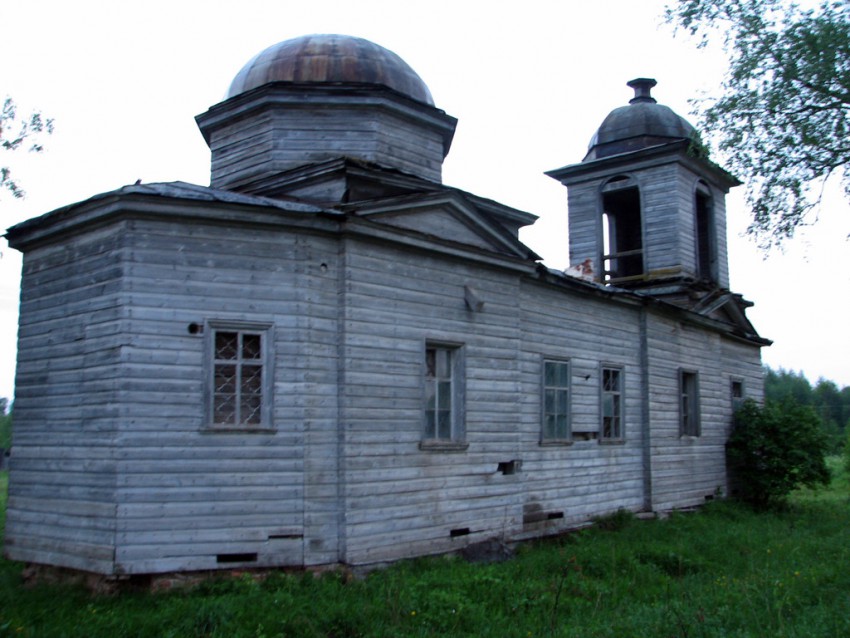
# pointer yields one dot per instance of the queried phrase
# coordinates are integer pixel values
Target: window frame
(690, 420)
(456, 441)
(620, 436)
(265, 362)
(737, 402)
(567, 439)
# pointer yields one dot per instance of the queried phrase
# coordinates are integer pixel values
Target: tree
(787, 384)
(783, 119)
(774, 449)
(17, 134)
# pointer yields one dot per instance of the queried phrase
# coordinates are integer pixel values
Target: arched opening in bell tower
(622, 230)
(706, 242)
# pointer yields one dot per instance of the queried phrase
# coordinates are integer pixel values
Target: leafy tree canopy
(16, 134)
(782, 121)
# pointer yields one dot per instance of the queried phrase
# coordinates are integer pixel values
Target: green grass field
(725, 571)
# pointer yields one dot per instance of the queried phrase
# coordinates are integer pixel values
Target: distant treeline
(830, 403)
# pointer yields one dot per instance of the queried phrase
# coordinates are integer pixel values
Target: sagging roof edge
(637, 299)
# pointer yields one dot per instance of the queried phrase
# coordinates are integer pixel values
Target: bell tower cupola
(646, 206)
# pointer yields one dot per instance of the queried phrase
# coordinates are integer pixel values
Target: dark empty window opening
(460, 531)
(689, 403)
(705, 241)
(622, 234)
(737, 392)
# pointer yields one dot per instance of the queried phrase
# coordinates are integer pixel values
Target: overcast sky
(529, 82)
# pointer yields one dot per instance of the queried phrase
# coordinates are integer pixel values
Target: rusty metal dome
(641, 124)
(330, 59)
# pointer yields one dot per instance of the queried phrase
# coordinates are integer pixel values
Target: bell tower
(646, 206)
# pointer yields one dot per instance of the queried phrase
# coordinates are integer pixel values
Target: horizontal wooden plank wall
(401, 500)
(188, 495)
(114, 469)
(62, 501)
(667, 211)
(687, 469)
(585, 229)
(272, 141)
(587, 478)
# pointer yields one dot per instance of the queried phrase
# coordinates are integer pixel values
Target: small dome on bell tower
(640, 124)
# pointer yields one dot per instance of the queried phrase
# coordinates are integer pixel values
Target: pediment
(447, 216)
(730, 308)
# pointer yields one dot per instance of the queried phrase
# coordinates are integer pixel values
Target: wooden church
(329, 357)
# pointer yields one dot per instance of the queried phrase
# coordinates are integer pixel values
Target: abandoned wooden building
(328, 356)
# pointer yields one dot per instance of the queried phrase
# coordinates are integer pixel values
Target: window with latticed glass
(238, 378)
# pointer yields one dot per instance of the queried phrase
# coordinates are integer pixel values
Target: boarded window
(556, 401)
(612, 404)
(443, 394)
(238, 393)
(689, 403)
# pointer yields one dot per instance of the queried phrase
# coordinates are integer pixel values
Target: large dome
(330, 59)
(641, 124)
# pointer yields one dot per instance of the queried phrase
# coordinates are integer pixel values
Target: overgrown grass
(722, 572)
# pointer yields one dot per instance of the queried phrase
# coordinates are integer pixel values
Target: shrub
(775, 449)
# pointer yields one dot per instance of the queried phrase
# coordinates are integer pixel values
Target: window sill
(556, 443)
(235, 429)
(434, 445)
(612, 441)
(689, 437)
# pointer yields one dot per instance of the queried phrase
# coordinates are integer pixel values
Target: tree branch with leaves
(782, 120)
(17, 134)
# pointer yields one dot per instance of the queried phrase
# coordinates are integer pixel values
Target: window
(556, 401)
(622, 230)
(737, 393)
(689, 403)
(239, 376)
(705, 240)
(443, 394)
(612, 404)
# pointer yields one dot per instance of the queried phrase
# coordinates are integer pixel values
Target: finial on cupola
(642, 87)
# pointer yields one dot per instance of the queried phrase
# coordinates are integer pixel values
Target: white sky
(529, 82)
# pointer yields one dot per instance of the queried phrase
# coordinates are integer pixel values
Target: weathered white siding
(687, 469)
(115, 469)
(189, 495)
(401, 500)
(62, 481)
(269, 138)
(587, 478)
